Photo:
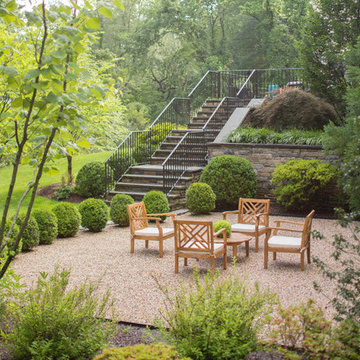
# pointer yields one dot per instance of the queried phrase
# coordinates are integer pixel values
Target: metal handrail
(245, 83)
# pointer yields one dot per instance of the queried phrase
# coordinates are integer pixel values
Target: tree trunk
(69, 170)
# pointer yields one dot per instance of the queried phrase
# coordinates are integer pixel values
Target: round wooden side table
(236, 239)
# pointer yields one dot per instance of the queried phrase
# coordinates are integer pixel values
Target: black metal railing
(189, 152)
(231, 86)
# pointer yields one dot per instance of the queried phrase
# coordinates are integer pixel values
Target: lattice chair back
(249, 208)
(135, 211)
(196, 236)
(307, 230)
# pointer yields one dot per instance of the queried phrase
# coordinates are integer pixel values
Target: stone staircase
(142, 178)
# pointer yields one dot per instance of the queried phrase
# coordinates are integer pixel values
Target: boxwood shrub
(68, 218)
(90, 180)
(231, 177)
(221, 224)
(11, 240)
(118, 211)
(200, 198)
(30, 237)
(48, 226)
(156, 202)
(94, 214)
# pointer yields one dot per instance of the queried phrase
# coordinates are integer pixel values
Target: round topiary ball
(90, 180)
(30, 237)
(118, 211)
(200, 198)
(68, 218)
(221, 224)
(11, 240)
(48, 226)
(94, 214)
(231, 177)
(156, 202)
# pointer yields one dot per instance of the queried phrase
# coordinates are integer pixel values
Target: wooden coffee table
(237, 239)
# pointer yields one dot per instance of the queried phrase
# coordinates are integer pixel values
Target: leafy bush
(11, 240)
(268, 136)
(68, 218)
(200, 198)
(230, 177)
(118, 211)
(299, 181)
(140, 352)
(221, 224)
(94, 214)
(30, 237)
(156, 202)
(90, 180)
(214, 319)
(48, 226)
(63, 192)
(52, 322)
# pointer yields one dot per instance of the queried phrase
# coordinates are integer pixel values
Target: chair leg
(212, 262)
(266, 254)
(185, 261)
(176, 263)
(302, 265)
(146, 244)
(308, 255)
(247, 248)
(274, 255)
(225, 260)
(161, 248)
(132, 245)
(257, 243)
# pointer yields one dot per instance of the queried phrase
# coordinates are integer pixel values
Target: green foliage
(11, 240)
(31, 236)
(118, 211)
(297, 182)
(90, 180)
(303, 327)
(156, 202)
(214, 319)
(64, 192)
(68, 219)
(48, 226)
(200, 198)
(94, 214)
(268, 136)
(140, 352)
(230, 177)
(53, 322)
(221, 224)
(346, 273)
(348, 334)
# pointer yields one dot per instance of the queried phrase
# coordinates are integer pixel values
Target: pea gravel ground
(105, 256)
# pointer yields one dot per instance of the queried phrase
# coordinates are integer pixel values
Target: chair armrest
(162, 214)
(284, 229)
(289, 222)
(229, 212)
(258, 218)
(224, 241)
(146, 218)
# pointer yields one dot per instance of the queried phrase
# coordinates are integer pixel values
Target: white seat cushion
(286, 242)
(217, 246)
(245, 227)
(153, 231)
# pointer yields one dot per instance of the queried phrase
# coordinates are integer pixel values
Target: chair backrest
(249, 208)
(307, 229)
(135, 211)
(194, 235)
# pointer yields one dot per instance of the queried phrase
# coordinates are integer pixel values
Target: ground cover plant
(267, 136)
(200, 198)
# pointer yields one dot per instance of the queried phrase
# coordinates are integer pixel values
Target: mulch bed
(50, 192)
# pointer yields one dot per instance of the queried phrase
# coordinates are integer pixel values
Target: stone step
(159, 161)
(138, 195)
(155, 179)
(140, 187)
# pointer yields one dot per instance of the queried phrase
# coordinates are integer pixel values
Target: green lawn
(25, 175)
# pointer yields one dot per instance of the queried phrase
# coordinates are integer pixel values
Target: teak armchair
(196, 239)
(279, 243)
(139, 226)
(253, 218)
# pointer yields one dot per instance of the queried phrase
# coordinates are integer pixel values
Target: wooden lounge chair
(140, 229)
(253, 218)
(280, 243)
(196, 239)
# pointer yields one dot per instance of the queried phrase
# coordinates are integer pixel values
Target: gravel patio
(130, 277)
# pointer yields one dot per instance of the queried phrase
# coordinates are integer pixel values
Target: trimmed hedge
(90, 180)
(48, 226)
(30, 237)
(231, 177)
(118, 211)
(68, 218)
(200, 198)
(156, 202)
(94, 214)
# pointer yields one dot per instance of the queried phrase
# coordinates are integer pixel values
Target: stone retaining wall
(265, 157)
